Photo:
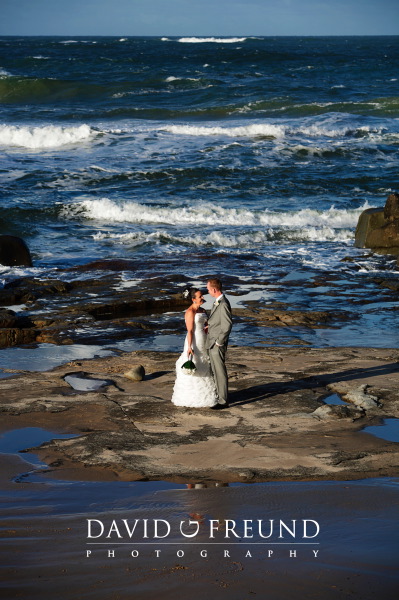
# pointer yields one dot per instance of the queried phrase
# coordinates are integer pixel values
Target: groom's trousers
(217, 356)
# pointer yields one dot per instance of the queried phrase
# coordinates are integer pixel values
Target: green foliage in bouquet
(189, 367)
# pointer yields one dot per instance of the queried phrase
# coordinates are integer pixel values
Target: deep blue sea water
(247, 156)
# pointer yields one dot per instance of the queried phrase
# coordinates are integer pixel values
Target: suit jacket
(219, 324)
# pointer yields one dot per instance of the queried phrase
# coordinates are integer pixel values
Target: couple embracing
(206, 345)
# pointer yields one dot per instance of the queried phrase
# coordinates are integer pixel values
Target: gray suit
(219, 327)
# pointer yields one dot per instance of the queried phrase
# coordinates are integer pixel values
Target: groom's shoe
(220, 406)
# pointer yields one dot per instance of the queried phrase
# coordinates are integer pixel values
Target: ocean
(249, 157)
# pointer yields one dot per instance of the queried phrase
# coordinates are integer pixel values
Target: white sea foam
(49, 136)
(123, 40)
(196, 40)
(266, 129)
(78, 42)
(4, 73)
(172, 78)
(107, 210)
(223, 240)
(271, 130)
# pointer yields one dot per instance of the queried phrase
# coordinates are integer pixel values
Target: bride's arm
(190, 317)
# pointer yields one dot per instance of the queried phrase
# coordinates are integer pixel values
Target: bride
(198, 389)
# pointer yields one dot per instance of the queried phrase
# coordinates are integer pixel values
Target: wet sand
(44, 530)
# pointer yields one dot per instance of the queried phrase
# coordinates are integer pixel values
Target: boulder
(136, 373)
(391, 209)
(8, 318)
(15, 337)
(378, 228)
(14, 252)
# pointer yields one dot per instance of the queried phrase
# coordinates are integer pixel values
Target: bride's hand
(206, 328)
(189, 352)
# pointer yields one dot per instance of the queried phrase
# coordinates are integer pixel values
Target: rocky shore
(278, 426)
(96, 304)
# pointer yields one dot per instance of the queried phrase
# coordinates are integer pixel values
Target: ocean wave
(273, 130)
(196, 40)
(266, 130)
(78, 42)
(4, 73)
(107, 210)
(172, 78)
(49, 136)
(223, 240)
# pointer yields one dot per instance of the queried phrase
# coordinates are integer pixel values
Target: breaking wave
(223, 240)
(196, 40)
(272, 130)
(4, 73)
(49, 136)
(107, 210)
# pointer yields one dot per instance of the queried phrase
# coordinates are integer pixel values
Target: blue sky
(199, 17)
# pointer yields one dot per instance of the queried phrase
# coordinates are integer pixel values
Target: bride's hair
(189, 293)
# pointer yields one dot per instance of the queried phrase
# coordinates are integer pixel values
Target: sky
(199, 17)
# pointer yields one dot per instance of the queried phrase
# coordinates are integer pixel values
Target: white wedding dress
(197, 390)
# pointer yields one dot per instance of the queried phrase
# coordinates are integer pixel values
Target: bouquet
(189, 367)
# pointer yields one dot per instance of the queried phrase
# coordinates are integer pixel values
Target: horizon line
(202, 35)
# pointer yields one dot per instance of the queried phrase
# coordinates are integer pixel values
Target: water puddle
(43, 357)
(82, 382)
(388, 430)
(297, 276)
(334, 400)
(18, 440)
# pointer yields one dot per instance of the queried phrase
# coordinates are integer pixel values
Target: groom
(219, 327)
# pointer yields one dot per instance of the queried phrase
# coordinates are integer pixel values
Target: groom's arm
(226, 323)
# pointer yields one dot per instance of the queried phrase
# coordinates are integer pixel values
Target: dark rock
(14, 252)
(127, 307)
(385, 238)
(8, 318)
(391, 210)
(378, 228)
(37, 287)
(107, 265)
(290, 318)
(15, 337)
(369, 220)
(15, 330)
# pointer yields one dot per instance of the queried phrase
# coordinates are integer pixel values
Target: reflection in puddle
(82, 382)
(334, 400)
(197, 486)
(18, 440)
(43, 357)
(388, 430)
